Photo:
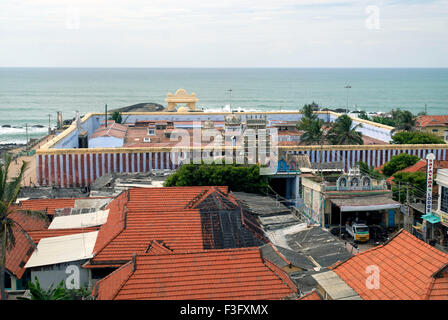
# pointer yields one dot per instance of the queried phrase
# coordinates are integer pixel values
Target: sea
(31, 97)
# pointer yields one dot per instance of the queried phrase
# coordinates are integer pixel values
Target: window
(435, 130)
(444, 200)
(151, 132)
(8, 281)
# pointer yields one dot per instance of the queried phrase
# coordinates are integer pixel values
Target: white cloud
(182, 32)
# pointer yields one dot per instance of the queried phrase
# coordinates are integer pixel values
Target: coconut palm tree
(314, 133)
(9, 189)
(405, 121)
(308, 117)
(344, 132)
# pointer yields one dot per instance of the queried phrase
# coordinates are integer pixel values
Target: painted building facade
(336, 201)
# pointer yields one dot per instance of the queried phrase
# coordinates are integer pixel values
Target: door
(391, 220)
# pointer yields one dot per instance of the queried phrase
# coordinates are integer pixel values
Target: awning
(431, 218)
(368, 203)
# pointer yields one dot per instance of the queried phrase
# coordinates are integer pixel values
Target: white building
(111, 136)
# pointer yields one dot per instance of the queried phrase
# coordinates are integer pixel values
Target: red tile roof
(108, 287)
(51, 204)
(427, 121)
(438, 289)
(171, 215)
(158, 247)
(150, 214)
(420, 166)
(207, 274)
(17, 257)
(112, 130)
(406, 269)
(114, 224)
(313, 295)
(47, 204)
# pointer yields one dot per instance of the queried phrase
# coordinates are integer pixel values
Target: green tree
(415, 181)
(308, 117)
(236, 177)
(384, 120)
(312, 127)
(370, 170)
(38, 293)
(9, 189)
(116, 116)
(314, 133)
(343, 132)
(363, 115)
(416, 137)
(405, 120)
(57, 293)
(399, 162)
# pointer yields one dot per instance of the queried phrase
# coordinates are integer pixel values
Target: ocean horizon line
(171, 67)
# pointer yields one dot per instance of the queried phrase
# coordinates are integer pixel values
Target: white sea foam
(21, 130)
(12, 141)
(227, 108)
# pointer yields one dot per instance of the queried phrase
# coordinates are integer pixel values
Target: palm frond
(25, 233)
(4, 176)
(4, 210)
(10, 236)
(13, 187)
(41, 215)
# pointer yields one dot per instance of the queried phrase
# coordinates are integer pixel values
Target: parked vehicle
(359, 231)
(339, 231)
(378, 233)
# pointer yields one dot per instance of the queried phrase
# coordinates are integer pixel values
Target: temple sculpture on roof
(181, 97)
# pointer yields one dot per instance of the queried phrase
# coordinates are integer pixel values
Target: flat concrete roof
(335, 287)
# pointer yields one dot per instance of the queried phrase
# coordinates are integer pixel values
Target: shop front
(372, 210)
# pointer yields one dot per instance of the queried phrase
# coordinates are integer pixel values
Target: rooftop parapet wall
(91, 121)
(294, 149)
(68, 139)
(80, 167)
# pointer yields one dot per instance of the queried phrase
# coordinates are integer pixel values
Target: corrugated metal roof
(370, 203)
(62, 249)
(91, 219)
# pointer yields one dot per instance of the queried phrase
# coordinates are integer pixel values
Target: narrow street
(29, 177)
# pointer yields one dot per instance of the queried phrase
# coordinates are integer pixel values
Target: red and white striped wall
(372, 157)
(81, 169)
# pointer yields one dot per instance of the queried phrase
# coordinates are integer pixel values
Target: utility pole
(230, 97)
(26, 130)
(49, 124)
(347, 87)
(407, 196)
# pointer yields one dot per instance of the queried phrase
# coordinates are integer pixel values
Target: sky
(224, 33)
